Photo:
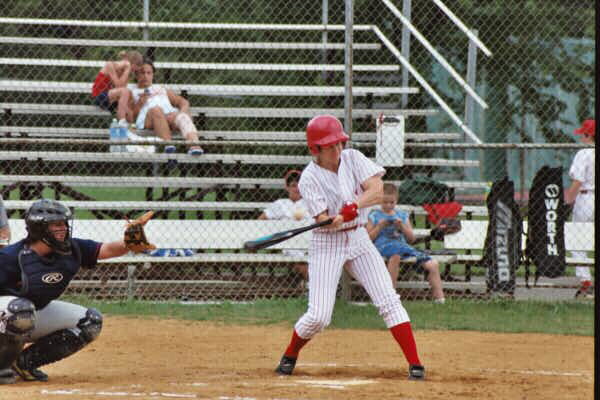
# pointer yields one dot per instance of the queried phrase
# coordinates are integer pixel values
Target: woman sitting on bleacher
(160, 109)
(110, 90)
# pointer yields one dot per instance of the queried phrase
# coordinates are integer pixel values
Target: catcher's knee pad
(185, 124)
(90, 326)
(18, 318)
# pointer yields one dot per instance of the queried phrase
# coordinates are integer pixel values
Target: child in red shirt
(110, 90)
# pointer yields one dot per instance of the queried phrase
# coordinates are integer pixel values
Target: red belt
(350, 228)
(586, 191)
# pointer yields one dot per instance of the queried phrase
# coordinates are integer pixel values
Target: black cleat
(7, 376)
(416, 372)
(286, 366)
(30, 375)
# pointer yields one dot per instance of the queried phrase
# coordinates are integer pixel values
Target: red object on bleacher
(437, 211)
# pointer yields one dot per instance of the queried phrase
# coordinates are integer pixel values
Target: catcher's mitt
(134, 237)
(445, 227)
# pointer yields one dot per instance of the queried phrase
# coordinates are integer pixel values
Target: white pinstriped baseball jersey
(582, 169)
(325, 190)
(329, 250)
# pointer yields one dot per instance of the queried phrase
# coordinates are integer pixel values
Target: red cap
(292, 174)
(587, 128)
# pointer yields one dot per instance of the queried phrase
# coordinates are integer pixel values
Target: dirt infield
(159, 359)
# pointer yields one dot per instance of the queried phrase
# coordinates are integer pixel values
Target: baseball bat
(270, 240)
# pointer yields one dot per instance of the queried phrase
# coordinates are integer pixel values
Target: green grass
(490, 316)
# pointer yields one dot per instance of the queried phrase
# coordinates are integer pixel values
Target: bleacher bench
(178, 182)
(215, 240)
(247, 137)
(210, 90)
(45, 62)
(261, 159)
(217, 112)
(579, 236)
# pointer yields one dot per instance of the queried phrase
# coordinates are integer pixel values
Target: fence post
(405, 48)
(146, 31)
(469, 101)
(346, 280)
(349, 14)
(324, 21)
(130, 282)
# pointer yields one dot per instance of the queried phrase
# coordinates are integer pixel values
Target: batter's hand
(135, 237)
(338, 220)
(349, 211)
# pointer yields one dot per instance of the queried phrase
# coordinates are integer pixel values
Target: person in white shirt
(292, 207)
(581, 192)
(341, 184)
(160, 109)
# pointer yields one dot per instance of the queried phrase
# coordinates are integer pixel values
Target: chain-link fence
(253, 73)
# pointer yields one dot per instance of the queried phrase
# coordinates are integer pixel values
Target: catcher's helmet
(324, 130)
(37, 220)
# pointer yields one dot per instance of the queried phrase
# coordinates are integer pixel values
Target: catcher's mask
(38, 218)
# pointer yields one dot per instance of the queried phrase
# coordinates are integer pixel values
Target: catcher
(34, 272)
(391, 231)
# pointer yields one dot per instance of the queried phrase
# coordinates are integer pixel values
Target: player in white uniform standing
(581, 192)
(342, 184)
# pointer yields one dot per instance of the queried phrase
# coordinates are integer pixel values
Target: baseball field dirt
(138, 358)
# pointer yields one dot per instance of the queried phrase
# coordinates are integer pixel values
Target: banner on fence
(502, 249)
(546, 224)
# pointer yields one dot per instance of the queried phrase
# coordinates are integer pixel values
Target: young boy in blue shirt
(391, 231)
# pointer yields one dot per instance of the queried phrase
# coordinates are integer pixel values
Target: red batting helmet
(324, 130)
(587, 128)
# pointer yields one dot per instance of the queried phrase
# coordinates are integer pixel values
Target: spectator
(292, 207)
(4, 229)
(110, 90)
(160, 109)
(581, 192)
(392, 233)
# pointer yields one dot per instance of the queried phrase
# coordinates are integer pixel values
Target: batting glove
(349, 211)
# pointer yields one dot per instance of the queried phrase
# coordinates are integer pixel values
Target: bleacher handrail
(439, 58)
(394, 50)
(454, 18)
(186, 44)
(182, 25)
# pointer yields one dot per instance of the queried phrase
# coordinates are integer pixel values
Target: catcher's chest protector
(44, 280)
(546, 223)
(502, 250)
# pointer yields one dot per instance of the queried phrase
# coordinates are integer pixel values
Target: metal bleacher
(233, 156)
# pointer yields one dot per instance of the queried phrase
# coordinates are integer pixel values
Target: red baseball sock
(404, 336)
(295, 345)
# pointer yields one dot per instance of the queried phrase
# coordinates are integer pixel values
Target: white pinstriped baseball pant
(327, 254)
(583, 211)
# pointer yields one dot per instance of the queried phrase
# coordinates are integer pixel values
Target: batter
(342, 184)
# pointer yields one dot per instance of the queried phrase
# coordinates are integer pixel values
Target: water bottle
(115, 135)
(123, 125)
